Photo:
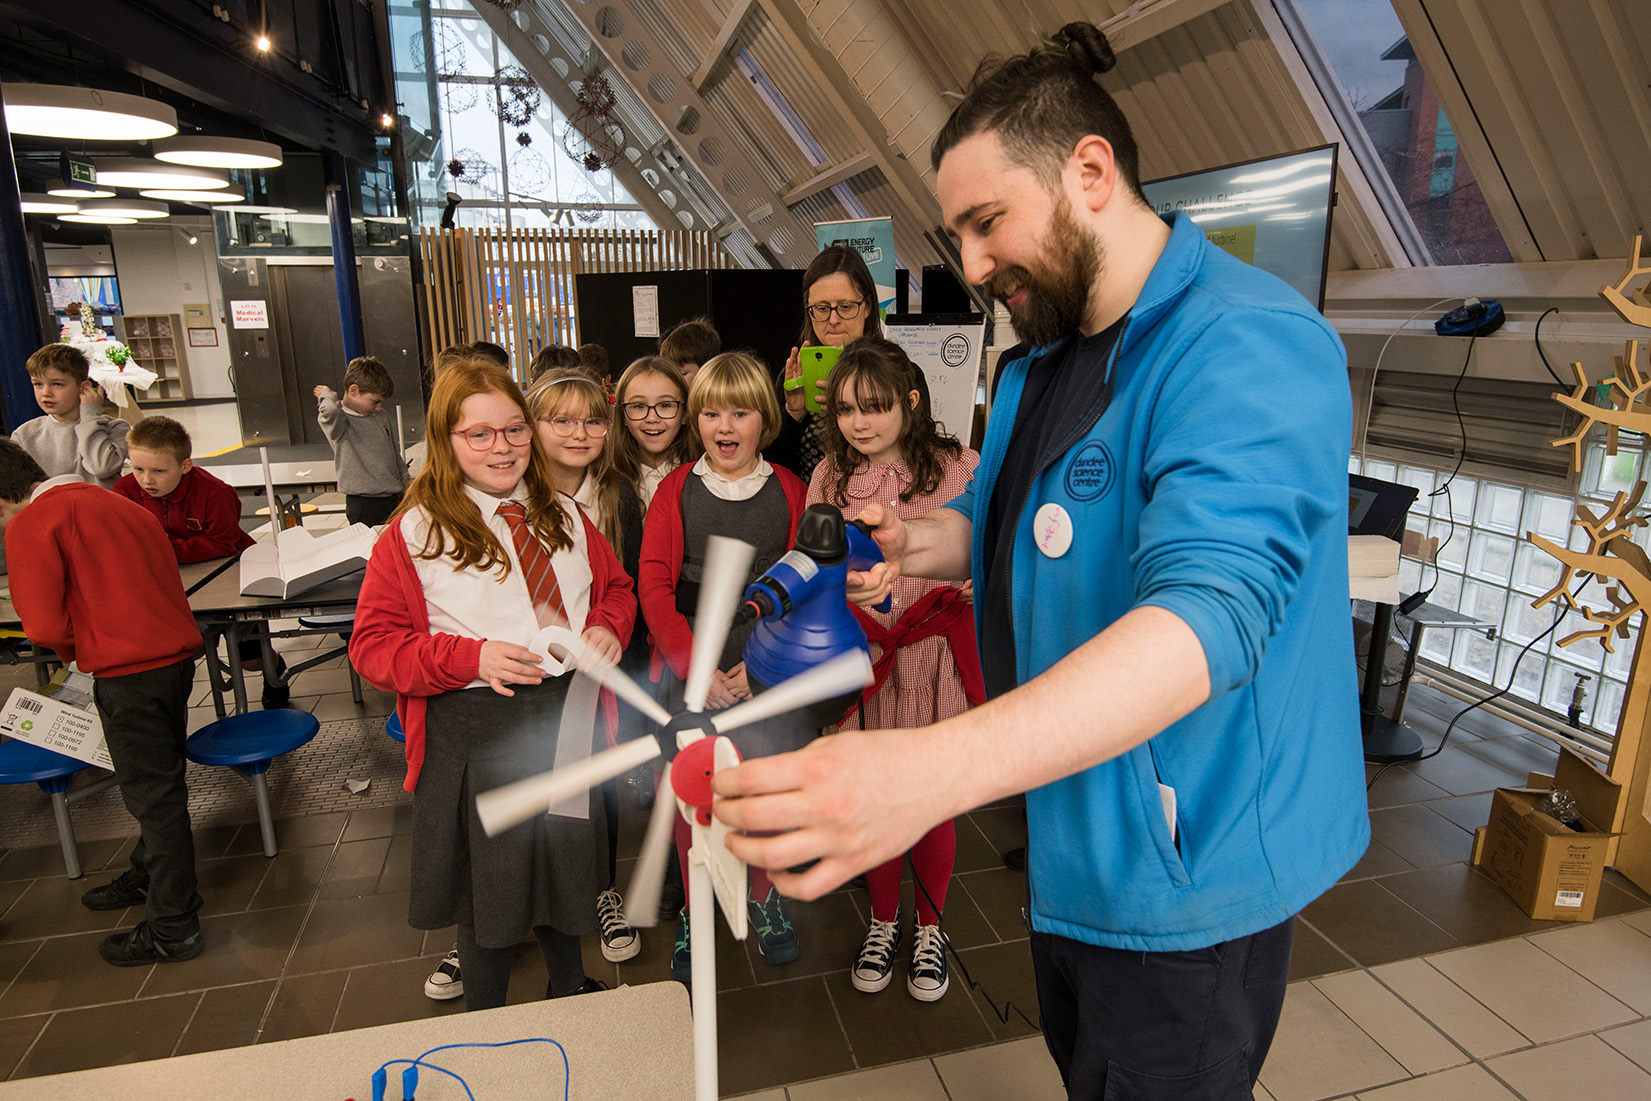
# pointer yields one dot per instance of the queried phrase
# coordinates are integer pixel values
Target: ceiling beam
(1144, 21)
(831, 177)
(719, 46)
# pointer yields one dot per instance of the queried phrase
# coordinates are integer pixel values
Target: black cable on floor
(1008, 1006)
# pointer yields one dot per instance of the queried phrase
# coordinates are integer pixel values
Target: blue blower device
(801, 603)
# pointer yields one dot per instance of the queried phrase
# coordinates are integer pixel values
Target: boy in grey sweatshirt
(74, 437)
(371, 473)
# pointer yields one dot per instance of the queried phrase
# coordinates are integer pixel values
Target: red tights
(931, 861)
(760, 882)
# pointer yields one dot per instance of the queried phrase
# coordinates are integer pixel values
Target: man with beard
(1156, 534)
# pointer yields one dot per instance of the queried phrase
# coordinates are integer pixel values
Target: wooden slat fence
(516, 288)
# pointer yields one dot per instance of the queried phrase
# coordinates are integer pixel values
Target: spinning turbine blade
(844, 673)
(642, 895)
(504, 807)
(607, 675)
(727, 561)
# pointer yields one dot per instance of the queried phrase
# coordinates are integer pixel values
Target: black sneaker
(776, 939)
(117, 894)
(138, 947)
(927, 980)
(619, 941)
(875, 965)
(589, 986)
(276, 695)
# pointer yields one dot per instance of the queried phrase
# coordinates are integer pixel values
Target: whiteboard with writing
(949, 350)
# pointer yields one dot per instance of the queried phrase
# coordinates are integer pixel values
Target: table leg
(1416, 630)
(237, 675)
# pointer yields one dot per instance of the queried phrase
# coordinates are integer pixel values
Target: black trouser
(1162, 1026)
(486, 971)
(371, 511)
(145, 720)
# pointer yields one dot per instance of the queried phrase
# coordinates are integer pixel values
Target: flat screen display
(1273, 213)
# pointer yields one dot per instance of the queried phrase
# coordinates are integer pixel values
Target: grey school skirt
(546, 871)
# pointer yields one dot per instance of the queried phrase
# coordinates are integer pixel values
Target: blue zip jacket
(1213, 485)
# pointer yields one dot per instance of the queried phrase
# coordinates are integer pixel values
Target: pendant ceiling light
(46, 204)
(98, 219)
(205, 152)
(65, 111)
(133, 172)
(79, 193)
(126, 208)
(275, 210)
(229, 194)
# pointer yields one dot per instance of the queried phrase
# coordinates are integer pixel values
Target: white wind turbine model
(701, 751)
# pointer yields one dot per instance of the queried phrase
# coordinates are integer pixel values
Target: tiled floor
(1417, 978)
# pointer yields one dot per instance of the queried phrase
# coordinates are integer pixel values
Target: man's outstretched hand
(850, 801)
(868, 587)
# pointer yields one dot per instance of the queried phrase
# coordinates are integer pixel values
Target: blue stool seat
(392, 727)
(24, 763)
(250, 743)
(339, 623)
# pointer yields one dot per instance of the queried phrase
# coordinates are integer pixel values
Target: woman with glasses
(485, 555)
(839, 307)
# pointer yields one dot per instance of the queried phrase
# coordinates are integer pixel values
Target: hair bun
(1087, 46)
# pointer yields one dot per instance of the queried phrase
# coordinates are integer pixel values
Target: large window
(500, 152)
(1487, 569)
(1374, 76)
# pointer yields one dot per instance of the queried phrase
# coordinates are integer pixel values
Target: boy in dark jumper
(65, 538)
(200, 514)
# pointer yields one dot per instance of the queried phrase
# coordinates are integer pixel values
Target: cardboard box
(67, 724)
(1551, 870)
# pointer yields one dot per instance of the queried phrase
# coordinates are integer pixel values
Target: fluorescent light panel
(46, 204)
(66, 111)
(209, 152)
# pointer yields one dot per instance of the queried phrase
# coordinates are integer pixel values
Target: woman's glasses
(481, 438)
(664, 410)
(565, 426)
(848, 311)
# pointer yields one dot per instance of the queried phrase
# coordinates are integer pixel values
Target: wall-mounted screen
(1273, 212)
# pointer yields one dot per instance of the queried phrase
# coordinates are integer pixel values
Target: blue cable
(380, 1077)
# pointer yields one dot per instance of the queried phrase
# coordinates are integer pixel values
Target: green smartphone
(817, 361)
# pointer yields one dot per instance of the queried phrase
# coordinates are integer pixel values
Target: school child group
(565, 506)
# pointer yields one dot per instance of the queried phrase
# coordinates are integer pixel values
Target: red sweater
(93, 578)
(202, 517)
(661, 565)
(392, 648)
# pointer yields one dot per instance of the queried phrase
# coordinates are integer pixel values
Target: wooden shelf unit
(159, 343)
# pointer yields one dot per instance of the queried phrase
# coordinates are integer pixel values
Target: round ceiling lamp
(126, 208)
(46, 204)
(65, 111)
(146, 174)
(229, 194)
(98, 219)
(205, 152)
(275, 210)
(79, 193)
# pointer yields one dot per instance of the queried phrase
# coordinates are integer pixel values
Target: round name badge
(1052, 528)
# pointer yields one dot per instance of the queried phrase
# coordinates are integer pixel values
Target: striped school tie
(541, 579)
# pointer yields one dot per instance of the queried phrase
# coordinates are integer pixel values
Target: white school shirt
(742, 489)
(475, 603)
(651, 477)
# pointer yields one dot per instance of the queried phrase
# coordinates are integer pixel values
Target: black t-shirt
(1066, 392)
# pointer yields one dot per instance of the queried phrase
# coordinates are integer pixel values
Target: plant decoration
(118, 355)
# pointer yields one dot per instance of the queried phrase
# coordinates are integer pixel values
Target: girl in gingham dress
(882, 446)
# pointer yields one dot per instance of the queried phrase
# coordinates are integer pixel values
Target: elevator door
(312, 344)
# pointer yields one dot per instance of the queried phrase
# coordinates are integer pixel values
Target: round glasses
(564, 426)
(481, 438)
(664, 410)
(848, 311)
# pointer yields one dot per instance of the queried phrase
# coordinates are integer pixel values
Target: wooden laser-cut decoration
(1613, 558)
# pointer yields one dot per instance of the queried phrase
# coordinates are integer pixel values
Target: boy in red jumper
(201, 514)
(66, 540)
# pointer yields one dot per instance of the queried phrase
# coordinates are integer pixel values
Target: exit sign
(78, 172)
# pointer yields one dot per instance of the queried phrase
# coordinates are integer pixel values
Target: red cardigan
(92, 577)
(661, 565)
(392, 648)
(202, 517)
